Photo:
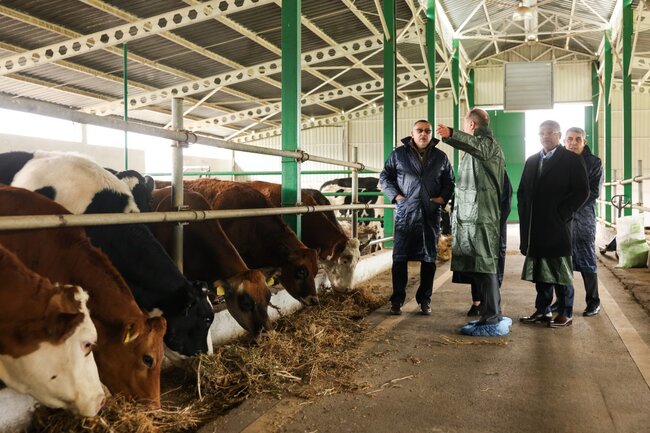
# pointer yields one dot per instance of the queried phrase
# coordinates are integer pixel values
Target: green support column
(125, 78)
(291, 107)
(607, 124)
(390, 109)
(592, 117)
(627, 98)
(455, 78)
(470, 89)
(431, 60)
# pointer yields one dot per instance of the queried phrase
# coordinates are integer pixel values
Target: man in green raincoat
(476, 216)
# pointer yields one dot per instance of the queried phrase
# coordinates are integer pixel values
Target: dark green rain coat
(479, 186)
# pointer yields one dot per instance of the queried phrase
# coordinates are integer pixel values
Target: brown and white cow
(208, 255)
(46, 340)
(338, 254)
(263, 241)
(129, 349)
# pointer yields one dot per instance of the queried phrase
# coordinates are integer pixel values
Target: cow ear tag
(270, 281)
(221, 291)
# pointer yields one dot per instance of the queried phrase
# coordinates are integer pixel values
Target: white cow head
(340, 271)
(62, 375)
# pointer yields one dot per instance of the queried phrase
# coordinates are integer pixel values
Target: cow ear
(149, 183)
(271, 274)
(129, 333)
(220, 288)
(61, 326)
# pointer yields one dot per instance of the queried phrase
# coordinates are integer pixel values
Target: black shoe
(560, 322)
(591, 311)
(395, 309)
(474, 311)
(554, 307)
(425, 309)
(536, 318)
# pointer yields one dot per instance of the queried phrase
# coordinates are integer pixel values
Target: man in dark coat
(419, 179)
(553, 187)
(584, 227)
(476, 225)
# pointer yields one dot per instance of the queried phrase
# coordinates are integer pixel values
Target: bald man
(476, 224)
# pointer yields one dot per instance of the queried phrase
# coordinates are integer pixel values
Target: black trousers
(544, 298)
(485, 289)
(400, 278)
(591, 288)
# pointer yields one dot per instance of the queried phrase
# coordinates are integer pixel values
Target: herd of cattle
(84, 310)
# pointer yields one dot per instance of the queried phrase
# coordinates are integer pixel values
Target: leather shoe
(474, 311)
(560, 322)
(395, 309)
(591, 311)
(536, 318)
(425, 309)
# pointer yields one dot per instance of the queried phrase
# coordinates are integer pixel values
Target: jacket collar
(407, 141)
(483, 132)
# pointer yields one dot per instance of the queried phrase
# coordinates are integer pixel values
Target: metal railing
(638, 179)
(182, 138)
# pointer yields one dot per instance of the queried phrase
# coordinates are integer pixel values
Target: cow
(344, 185)
(46, 340)
(338, 254)
(82, 186)
(209, 255)
(129, 347)
(366, 184)
(263, 241)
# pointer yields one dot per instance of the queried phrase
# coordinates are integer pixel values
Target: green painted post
(607, 124)
(593, 118)
(125, 79)
(628, 26)
(455, 77)
(291, 107)
(470, 89)
(390, 109)
(431, 60)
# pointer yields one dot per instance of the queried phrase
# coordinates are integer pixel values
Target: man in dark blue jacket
(419, 179)
(584, 225)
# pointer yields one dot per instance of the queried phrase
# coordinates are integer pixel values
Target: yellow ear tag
(221, 291)
(127, 337)
(270, 281)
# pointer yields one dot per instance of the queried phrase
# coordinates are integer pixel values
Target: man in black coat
(419, 179)
(553, 187)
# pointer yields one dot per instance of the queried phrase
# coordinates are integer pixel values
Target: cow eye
(148, 361)
(87, 347)
(301, 273)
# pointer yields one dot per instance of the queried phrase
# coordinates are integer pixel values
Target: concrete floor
(422, 378)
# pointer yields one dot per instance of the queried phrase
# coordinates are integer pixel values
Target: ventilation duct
(528, 86)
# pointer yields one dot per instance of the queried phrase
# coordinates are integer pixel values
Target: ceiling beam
(19, 16)
(363, 88)
(125, 33)
(198, 85)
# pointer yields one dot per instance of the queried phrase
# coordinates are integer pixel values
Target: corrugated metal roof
(157, 61)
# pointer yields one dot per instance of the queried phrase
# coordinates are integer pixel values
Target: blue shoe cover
(488, 330)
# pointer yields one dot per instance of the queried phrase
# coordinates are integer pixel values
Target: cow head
(141, 187)
(247, 298)
(298, 272)
(130, 358)
(188, 331)
(61, 372)
(340, 269)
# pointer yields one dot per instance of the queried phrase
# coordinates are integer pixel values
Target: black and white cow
(366, 184)
(82, 186)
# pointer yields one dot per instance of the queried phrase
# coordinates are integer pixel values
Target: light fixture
(522, 13)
